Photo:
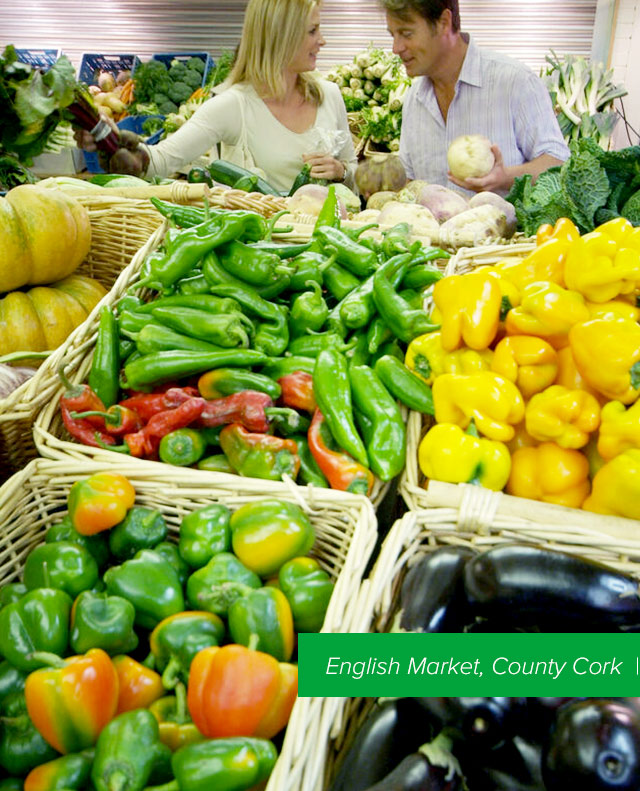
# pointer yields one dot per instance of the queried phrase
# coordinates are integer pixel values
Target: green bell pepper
(177, 729)
(236, 763)
(142, 528)
(204, 533)
(65, 531)
(262, 620)
(182, 447)
(308, 588)
(11, 679)
(258, 455)
(177, 639)
(217, 462)
(11, 784)
(127, 751)
(11, 593)
(21, 746)
(102, 621)
(39, 621)
(62, 565)
(309, 311)
(67, 773)
(217, 585)
(150, 583)
(169, 551)
(267, 533)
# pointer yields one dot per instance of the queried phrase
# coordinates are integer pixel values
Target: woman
(276, 113)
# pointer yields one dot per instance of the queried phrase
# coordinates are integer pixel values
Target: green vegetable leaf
(585, 186)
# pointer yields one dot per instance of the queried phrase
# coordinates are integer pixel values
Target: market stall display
(155, 540)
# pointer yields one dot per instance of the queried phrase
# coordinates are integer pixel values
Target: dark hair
(431, 10)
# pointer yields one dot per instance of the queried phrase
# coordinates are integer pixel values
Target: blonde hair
(272, 34)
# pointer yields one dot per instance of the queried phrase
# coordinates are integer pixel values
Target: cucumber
(229, 174)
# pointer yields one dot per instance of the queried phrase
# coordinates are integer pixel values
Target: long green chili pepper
(309, 471)
(282, 249)
(312, 344)
(405, 385)
(332, 392)
(420, 275)
(222, 329)
(339, 281)
(197, 284)
(277, 367)
(159, 367)
(251, 264)
(184, 216)
(208, 302)
(357, 259)
(154, 337)
(309, 311)
(329, 214)
(216, 275)
(105, 366)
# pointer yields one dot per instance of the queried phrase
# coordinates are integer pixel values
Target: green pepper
(272, 336)
(405, 322)
(204, 533)
(197, 175)
(267, 533)
(130, 322)
(221, 329)
(126, 752)
(65, 531)
(277, 367)
(354, 257)
(405, 385)
(397, 240)
(217, 462)
(308, 266)
(332, 392)
(282, 249)
(217, 585)
(182, 447)
(153, 369)
(156, 337)
(150, 583)
(309, 311)
(312, 345)
(226, 381)
(11, 784)
(177, 639)
(231, 764)
(72, 771)
(205, 301)
(11, 680)
(254, 265)
(358, 308)
(64, 565)
(308, 589)
(259, 455)
(22, 748)
(262, 620)
(11, 593)
(105, 364)
(420, 276)
(286, 421)
(177, 729)
(339, 281)
(386, 449)
(125, 348)
(142, 528)
(185, 216)
(216, 275)
(329, 214)
(309, 473)
(169, 551)
(391, 348)
(102, 621)
(196, 284)
(303, 177)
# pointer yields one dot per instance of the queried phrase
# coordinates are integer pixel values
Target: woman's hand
(496, 180)
(324, 166)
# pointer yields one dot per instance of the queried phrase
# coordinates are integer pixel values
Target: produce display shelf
(36, 497)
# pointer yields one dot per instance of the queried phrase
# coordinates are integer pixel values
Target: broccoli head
(167, 107)
(631, 209)
(159, 98)
(177, 70)
(196, 64)
(193, 79)
(179, 92)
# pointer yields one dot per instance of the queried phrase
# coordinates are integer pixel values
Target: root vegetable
(470, 156)
(443, 203)
(473, 227)
(493, 199)
(380, 172)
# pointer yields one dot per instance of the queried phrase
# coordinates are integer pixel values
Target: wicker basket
(468, 516)
(76, 354)
(35, 498)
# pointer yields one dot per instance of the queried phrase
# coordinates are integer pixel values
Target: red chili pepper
(297, 391)
(149, 404)
(341, 470)
(81, 398)
(118, 419)
(145, 442)
(245, 407)
(83, 430)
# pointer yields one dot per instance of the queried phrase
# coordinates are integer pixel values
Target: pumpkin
(380, 173)
(44, 236)
(42, 317)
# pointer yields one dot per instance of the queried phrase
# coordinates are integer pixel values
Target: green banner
(425, 665)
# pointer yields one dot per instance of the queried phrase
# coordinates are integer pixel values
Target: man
(459, 89)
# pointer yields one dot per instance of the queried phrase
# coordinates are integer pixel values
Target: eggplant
(432, 594)
(392, 730)
(535, 716)
(416, 772)
(594, 745)
(525, 584)
(483, 723)
(514, 766)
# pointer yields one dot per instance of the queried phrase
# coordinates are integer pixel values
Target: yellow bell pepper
(470, 307)
(508, 289)
(566, 417)
(595, 460)
(447, 453)
(545, 263)
(427, 359)
(521, 439)
(491, 401)
(568, 375)
(550, 474)
(621, 231)
(607, 355)
(529, 362)
(548, 311)
(616, 487)
(614, 309)
(599, 269)
(619, 429)
(564, 229)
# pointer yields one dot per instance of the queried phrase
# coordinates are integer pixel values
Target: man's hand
(324, 166)
(496, 180)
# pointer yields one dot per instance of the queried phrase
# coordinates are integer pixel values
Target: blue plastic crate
(91, 65)
(40, 58)
(167, 57)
